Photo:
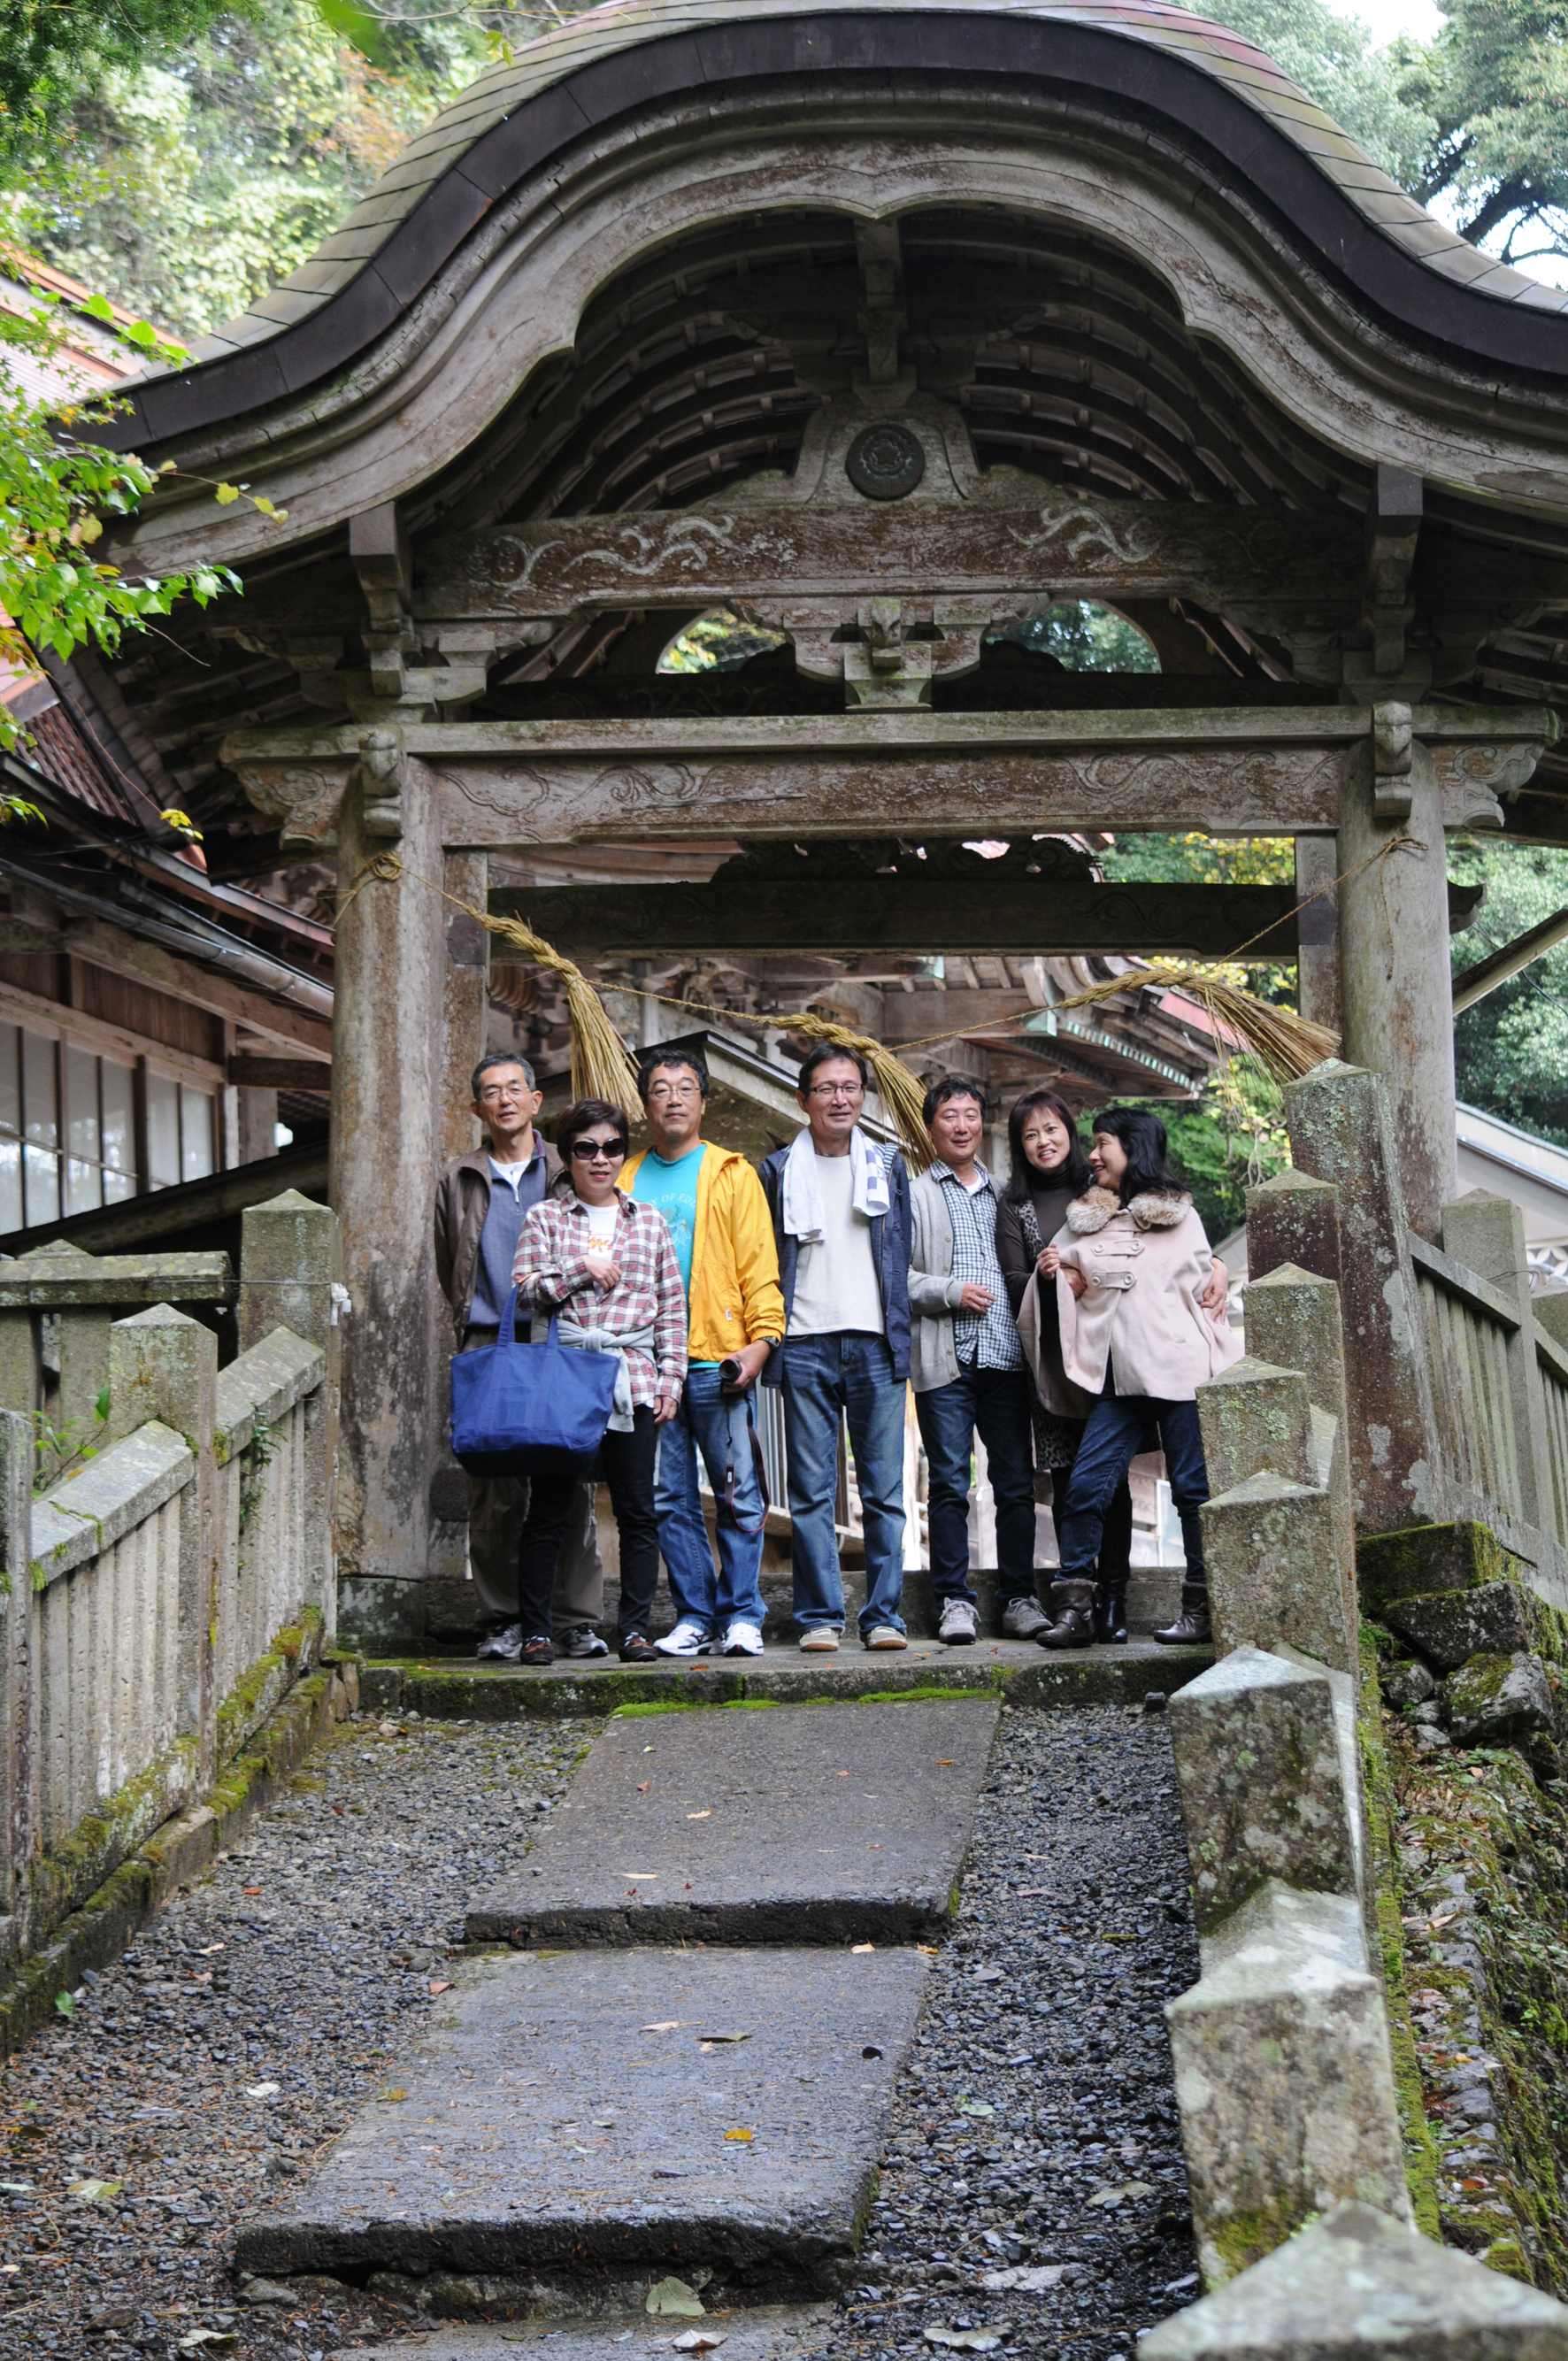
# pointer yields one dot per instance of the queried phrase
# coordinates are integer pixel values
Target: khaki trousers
(496, 1507)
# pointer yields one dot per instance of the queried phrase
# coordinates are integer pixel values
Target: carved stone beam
(306, 798)
(887, 651)
(395, 689)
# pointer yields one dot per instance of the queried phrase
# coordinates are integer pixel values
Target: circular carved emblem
(884, 462)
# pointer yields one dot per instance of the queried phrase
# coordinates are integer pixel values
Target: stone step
(620, 2116)
(456, 1689)
(783, 1823)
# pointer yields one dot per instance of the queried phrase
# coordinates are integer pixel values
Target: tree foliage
(188, 182)
(1511, 1048)
(52, 49)
(1495, 82)
(1375, 92)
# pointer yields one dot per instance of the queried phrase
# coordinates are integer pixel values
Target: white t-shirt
(601, 1222)
(835, 1282)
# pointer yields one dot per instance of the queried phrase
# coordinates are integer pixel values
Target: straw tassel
(1285, 1045)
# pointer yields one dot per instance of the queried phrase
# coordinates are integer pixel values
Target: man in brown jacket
(481, 1203)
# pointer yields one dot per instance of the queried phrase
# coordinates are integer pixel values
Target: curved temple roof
(1207, 82)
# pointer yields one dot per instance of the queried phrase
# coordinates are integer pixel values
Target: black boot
(1110, 1614)
(1193, 1626)
(1073, 1604)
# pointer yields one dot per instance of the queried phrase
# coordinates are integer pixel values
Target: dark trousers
(1119, 1428)
(627, 1463)
(993, 1405)
(1116, 1531)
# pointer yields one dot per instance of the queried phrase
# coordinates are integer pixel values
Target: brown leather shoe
(1073, 1604)
(1192, 1627)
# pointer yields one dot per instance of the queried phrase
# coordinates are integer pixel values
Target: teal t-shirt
(673, 1188)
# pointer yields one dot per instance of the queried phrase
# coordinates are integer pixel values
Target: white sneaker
(504, 1647)
(820, 1641)
(688, 1639)
(956, 1628)
(742, 1639)
(886, 1636)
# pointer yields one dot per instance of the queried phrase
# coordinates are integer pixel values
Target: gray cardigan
(933, 1292)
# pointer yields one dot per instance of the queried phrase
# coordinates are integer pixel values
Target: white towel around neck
(870, 1193)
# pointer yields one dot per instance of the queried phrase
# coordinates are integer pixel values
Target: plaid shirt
(983, 1340)
(551, 1270)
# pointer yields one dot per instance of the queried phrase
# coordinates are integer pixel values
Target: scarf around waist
(583, 1336)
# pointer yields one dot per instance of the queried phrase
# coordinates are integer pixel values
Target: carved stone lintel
(380, 773)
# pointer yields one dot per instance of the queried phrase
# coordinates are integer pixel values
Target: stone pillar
(1341, 1132)
(1394, 963)
(1270, 1539)
(1486, 1232)
(1293, 1219)
(18, 1673)
(1318, 865)
(164, 1366)
(386, 1144)
(291, 1276)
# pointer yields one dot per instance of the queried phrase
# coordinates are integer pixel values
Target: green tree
(187, 184)
(1377, 94)
(1084, 637)
(1495, 83)
(1512, 1050)
(51, 49)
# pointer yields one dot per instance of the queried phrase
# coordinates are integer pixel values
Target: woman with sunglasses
(607, 1265)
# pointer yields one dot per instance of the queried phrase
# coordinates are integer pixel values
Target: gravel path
(1036, 2132)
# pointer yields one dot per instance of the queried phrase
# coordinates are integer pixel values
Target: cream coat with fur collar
(1147, 1265)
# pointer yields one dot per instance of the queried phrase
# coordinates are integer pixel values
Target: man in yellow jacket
(723, 1236)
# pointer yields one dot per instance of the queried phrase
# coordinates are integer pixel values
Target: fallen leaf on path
(674, 2296)
(946, 1762)
(1128, 2191)
(965, 2340)
(697, 2340)
(1028, 2278)
(702, 1816)
(387, 2097)
(1030, 1893)
(975, 2107)
(739, 2135)
(724, 2036)
(268, 2090)
(645, 1876)
(66, 2003)
(199, 2339)
(439, 1986)
(250, 1889)
(644, 1785)
(17, 2188)
(94, 2192)
(988, 1975)
(670, 2025)
(862, 1947)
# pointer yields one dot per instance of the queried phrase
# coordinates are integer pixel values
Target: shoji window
(61, 1158)
(179, 1132)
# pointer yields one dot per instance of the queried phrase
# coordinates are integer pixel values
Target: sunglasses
(589, 1151)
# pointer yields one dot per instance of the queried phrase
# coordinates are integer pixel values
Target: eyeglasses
(837, 1091)
(589, 1151)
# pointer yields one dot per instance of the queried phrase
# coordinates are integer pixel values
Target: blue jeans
(824, 1377)
(995, 1404)
(1118, 1429)
(719, 1426)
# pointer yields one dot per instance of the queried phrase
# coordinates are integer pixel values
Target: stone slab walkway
(787, 1824)
(608, 2113)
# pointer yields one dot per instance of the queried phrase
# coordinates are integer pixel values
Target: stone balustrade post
(1486, 1233)
(164, 1366)
(18, 1677)
(1271, 1533)
(291, 1276)
(1293, 1321)
(1342, 1133)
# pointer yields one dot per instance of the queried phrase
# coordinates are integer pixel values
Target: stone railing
(1283, 2055)
(1455, 1374)
(164, 1593)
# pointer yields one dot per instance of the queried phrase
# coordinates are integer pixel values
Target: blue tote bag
(526, 1410)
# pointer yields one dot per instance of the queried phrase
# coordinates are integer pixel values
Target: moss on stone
(1460, 1556)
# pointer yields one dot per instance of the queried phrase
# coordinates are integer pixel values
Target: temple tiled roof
(619, 26)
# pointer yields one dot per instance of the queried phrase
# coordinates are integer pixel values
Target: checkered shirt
(550, 1272)
(982, 1340)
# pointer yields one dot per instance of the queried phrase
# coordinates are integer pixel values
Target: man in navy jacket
(840, 1209)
